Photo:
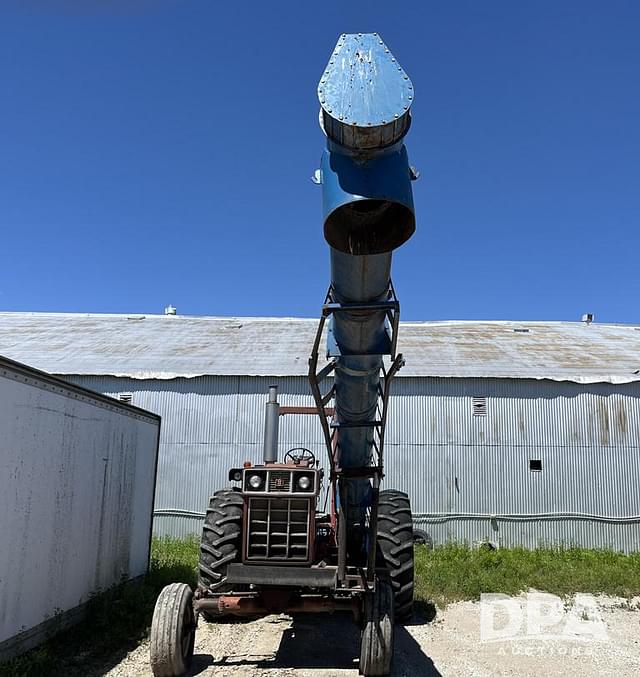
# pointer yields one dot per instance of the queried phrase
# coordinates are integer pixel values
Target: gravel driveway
(448, 644)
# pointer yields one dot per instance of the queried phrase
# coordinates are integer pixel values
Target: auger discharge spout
(365, 99)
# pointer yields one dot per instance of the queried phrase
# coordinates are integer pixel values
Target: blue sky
(159, 151)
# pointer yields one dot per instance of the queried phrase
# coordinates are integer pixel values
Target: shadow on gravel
(323, 642)
(409, 657)
(200, 663)
(423, 612)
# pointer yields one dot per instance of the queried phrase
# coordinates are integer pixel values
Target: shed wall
(77, 480)
(468, 476)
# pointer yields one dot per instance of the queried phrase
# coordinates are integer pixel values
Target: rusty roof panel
(164, 347)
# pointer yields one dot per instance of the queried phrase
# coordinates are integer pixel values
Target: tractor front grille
(278, 529)
(280, 480)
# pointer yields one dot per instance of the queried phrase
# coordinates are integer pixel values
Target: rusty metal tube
(245, 605)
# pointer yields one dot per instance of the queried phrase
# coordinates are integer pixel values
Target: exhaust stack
(271, 425)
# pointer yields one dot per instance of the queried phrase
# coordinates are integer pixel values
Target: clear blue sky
(159, 151)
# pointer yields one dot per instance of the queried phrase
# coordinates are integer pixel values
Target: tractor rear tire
(376, 647)
(421, 537)
(173, 631)
(395, 543)
(221, 539)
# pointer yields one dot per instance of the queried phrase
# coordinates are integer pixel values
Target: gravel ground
(448, 644)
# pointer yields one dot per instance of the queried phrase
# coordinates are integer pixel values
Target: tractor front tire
(376, 647)
(395, 543)
(173, 631)
(221, 539)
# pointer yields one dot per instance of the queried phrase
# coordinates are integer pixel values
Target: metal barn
(509, 432)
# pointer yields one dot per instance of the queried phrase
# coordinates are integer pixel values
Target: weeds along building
(513, 433)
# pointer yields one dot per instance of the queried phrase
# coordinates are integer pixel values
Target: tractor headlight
(304, 482)
(255, 481)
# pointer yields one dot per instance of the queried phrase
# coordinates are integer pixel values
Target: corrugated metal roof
(164, 347)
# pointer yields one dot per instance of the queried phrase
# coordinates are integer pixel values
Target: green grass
(118, 620)
(456, 572)
(171, 557)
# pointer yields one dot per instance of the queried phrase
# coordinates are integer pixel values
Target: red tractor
(267, 546)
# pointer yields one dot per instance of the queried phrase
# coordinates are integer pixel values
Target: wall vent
(535, 464)
(479, 406)
(521, 331)
(127, 398)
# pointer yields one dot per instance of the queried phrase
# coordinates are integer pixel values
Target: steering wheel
(299, 454)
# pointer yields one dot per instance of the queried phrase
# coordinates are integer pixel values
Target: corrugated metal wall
(468, 476)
